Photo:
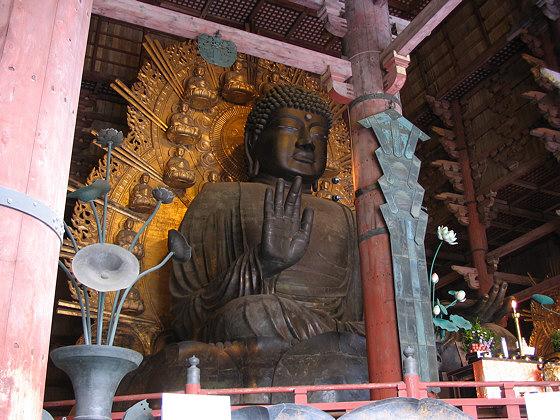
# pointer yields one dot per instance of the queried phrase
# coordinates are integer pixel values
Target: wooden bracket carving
(548, 104)
(510, 153)
(394, 79)
(337, 88)
(485, 208)
(536, 66)
(552, 76)
(533, 42)
(447, 140)
(492, 262)
(550, 8)
(477, 170)
(455, 203)
(442, 109)
(452, 171)
(551, 139)
(470, 274)
(331, 14)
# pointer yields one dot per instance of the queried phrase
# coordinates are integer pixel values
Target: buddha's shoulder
(226, 194)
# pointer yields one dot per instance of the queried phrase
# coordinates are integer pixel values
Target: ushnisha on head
(286, 135)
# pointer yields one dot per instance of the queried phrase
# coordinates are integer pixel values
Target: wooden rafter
(422, 26)
(542, 287)
(524, 240)
(179, 24)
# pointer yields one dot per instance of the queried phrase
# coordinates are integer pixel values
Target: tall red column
(477, 231)
(368, 35)
(42, 50)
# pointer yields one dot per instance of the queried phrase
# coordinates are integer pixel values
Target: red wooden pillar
(368, 35)
(477, 231)
(42, 49)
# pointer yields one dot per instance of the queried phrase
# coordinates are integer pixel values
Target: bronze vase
(95, 371)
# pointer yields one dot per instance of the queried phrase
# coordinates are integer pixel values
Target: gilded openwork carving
(186, 119)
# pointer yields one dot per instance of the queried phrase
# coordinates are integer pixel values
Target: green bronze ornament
(217, 51)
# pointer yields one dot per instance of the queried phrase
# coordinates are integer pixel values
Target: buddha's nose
(304, 142)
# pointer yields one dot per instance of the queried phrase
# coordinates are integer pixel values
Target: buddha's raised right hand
(284, 236)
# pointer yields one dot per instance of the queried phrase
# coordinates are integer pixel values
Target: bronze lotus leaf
(177, 244)
(90, 192)
(110, 135)
(163, 195)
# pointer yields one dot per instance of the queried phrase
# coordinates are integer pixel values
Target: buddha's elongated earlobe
(255, 169)
(253, 164)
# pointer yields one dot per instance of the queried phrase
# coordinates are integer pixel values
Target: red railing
(508, 407)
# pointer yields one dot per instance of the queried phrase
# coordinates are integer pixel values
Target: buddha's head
(145, 178)
(199, 71)
(237, 66)
(129, 223)
(180, 151)
(184, 107)
(286, 135)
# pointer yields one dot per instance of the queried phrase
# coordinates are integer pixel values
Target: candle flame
(514, 304)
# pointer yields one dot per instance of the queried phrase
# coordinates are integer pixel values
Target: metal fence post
(193, 377)
(410, 373)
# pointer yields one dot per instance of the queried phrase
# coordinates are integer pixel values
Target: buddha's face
(293, 142)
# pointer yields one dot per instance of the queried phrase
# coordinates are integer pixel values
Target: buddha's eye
(288, 128)
(318, 135)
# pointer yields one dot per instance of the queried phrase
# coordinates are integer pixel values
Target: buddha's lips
(304, 157)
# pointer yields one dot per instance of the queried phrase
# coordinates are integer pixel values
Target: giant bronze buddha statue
(291, 275)
(265, 278)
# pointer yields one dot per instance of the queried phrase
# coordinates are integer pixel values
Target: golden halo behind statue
(213, 151)
(227, 138)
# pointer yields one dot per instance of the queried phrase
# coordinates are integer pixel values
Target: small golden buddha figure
(178, 173)
(134, 304)
(181, 129)
(324, 190)
(274, 79)
(198, 92)
(125, 237)
(141, 199)
(236, 88)
(213, 177)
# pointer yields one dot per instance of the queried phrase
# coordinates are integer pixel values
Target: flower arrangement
(439, 310)
(105, 267)
(478, 338)
(555, 340)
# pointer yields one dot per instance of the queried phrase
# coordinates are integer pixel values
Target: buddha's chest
(328, 260)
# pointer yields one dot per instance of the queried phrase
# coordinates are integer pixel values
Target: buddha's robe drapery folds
(221, 293)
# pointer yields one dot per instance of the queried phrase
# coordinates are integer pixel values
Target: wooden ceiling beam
(513, 278)
(524, 240)
(533, 187)
(205, 9)
(309, 4)
(504, 207)
(180, 24)
(420, 27)
(542, 287)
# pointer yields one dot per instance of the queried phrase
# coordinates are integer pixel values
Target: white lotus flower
(444, 234)
(435, 278)
(437, 310)
(460, 295)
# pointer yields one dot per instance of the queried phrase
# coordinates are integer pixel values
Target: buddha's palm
(284, 236)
